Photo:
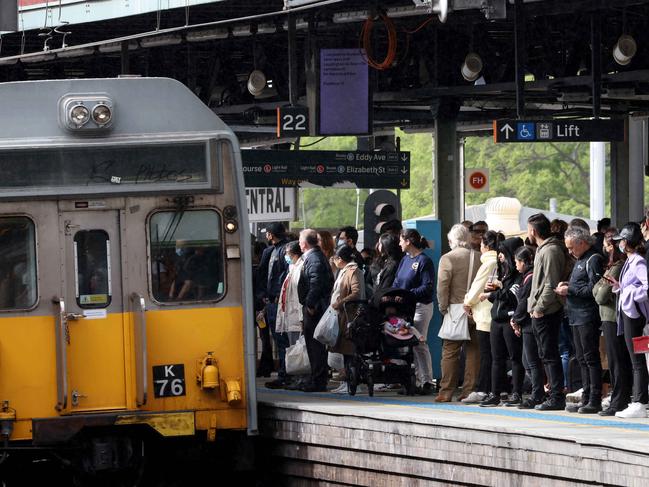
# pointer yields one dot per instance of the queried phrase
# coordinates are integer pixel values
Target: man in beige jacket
(452, 278)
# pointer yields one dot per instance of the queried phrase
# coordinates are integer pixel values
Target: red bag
(641, 344)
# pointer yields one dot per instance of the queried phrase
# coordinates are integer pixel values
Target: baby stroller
(383, 340)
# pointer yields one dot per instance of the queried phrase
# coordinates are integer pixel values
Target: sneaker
(606, 402)
(513, 401)
(425, 390)
(275, 384)
(490, 400)
(608, 412)
(529, 403)
(574, 407)
(475, 397)
(551, 405)
(341, 389)
(635, 410)
(574, 396)
(590, 408)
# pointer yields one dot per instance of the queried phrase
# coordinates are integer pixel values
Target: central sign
(559, 131)
(340, 169)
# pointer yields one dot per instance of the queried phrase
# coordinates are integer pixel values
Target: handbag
(327, 330)
(456, 322)
(297, 358)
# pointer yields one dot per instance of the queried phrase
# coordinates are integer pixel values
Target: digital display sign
(344, 105)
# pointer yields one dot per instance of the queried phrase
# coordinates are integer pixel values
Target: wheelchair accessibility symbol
(525, 131)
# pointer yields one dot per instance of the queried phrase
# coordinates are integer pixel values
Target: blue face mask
(288, 260)
(621, 246)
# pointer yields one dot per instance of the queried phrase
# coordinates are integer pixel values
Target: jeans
(422, 359)
(619, 366)
(633, 328)
(533, 364)
(586, 338)
(546, 331)
(566, 349)
(484, 377)
(505, 344)
(281, 339)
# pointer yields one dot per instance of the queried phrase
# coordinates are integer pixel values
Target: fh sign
(476, 180)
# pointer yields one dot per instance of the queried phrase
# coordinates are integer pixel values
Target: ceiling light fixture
(624, 49)
(471, 67)
(207, 35)
(256, 82)
(157, 41)
(117, 47)
(70, 53)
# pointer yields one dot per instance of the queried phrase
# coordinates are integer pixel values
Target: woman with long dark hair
(619, 363)
(416, 273)
(504, 342)
(386, 263)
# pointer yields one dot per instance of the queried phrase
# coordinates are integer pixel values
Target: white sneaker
(635, 410)
(606, 402)
(574, 396)
(341, 389)
(474, 397)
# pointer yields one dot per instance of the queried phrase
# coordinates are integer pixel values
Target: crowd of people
(530, 305)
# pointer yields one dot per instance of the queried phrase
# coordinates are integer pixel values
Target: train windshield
(17, 263)
(186, 256)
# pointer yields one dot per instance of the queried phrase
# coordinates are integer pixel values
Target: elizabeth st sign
(558, 131)
(340, 169)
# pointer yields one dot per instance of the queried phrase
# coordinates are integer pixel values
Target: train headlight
(231, 226)
(102, 114)
(79, 115)
(86, 113)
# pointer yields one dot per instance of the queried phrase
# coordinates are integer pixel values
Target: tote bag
(297, 358)
(327, 330)
(456, 322)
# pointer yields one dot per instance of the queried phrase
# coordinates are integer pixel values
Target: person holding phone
(633, 312)
(619, 363)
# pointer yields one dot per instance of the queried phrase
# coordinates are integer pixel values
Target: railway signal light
(382, 213)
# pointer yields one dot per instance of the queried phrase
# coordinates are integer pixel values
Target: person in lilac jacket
(633, 313)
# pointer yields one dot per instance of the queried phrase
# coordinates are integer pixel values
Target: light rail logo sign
(270, 204)
(476, 180)
(338, 169)
(558, 131)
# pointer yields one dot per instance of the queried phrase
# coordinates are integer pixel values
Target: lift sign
(169, 380)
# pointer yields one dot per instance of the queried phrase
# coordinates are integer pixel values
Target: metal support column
(619, 183)
(449, 199)
(521, 56)
(637, 140)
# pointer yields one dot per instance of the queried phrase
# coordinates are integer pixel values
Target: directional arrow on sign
(404, 157)
(508, 129)
(404, 182)
(404, 170)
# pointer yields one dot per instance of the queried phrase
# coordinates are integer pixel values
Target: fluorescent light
(300, 23)
(117, 46)
(39, 58)
(157, 41)
(207, 35)
(241, 31)
(68, 53)
(8, 61)
(266, 29)
(440, 8)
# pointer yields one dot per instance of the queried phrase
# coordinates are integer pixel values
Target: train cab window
(92, 268)
(17, 264)
(186, 256)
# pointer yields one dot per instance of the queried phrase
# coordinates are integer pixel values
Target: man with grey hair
(583, 315)
(454, 277)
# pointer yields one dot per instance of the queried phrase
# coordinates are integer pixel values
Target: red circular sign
(268, 168)
(320, 168)
(477, 180)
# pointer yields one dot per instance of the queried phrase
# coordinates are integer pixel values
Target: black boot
(490, 400)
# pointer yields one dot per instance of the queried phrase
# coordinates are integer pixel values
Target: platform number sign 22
(169, 380)
(292, 121)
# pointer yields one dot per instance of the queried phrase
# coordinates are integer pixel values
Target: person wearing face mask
(349, 236)
(633, 313)
(289, 310)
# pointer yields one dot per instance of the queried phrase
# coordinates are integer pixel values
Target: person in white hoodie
(289, 309)
(475, 305)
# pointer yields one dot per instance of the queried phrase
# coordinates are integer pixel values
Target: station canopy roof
(213, 47)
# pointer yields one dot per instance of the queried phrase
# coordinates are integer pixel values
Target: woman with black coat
(385, 266)
(504, 342)
(521, 323)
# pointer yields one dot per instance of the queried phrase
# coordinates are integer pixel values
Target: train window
(186, 256)
(17, 263)
(92, 268)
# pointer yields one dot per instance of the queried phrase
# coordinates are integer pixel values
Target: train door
(96, 366)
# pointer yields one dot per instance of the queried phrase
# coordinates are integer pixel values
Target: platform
(392, 440)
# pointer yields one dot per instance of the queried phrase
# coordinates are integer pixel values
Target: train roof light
(86, 113)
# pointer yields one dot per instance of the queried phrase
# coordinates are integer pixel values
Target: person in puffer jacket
(504, 342)
(481, 311)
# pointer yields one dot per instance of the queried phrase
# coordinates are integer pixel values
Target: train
(125, 286)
